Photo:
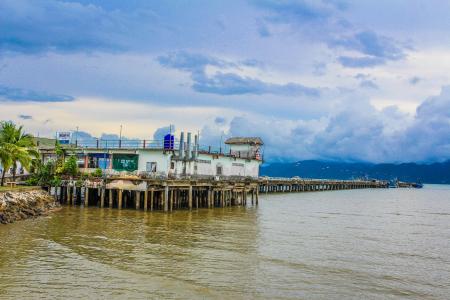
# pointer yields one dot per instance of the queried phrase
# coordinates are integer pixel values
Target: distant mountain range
(412, 172)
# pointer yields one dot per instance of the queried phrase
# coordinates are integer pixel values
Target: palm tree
(5, 159)
(16, 146)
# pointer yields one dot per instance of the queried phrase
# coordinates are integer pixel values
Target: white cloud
(98, 116)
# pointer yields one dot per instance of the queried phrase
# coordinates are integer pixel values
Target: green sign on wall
(125, 162)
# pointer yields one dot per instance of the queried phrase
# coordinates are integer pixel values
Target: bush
(43, 174)
(70, 167)
(32, 181)
(56, 181)
(97, 173)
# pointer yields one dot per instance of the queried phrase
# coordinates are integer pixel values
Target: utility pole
(76, 138)
(120, 136)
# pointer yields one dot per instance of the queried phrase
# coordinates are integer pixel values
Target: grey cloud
(296, 11)
(86, 137)
(162, 131)
(319, 69)
(36, 26)
(25, 117)
(414, 80)
(228, 83)
(360, 62)
(361, 76)
(20, 94)
(232, 84)
(368, 84)
(220, 120)
(358, 132)
(374, 48)
(263, 30)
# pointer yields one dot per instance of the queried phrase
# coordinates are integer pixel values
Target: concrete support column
(138, 200)
(119, 199)
(74, 194)
(110, 198)
(166, 198)
(69, 198)
(102, 197)
(152, 196)
(190, 197)
(209, 198)
(145, 200)
(86, 196)
(196, 200)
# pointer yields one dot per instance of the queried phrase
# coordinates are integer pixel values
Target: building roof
(244, 141)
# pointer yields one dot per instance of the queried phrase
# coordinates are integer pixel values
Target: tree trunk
(14, 172)
(3, 177)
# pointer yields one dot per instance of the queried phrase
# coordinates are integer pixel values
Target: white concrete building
(243, 159)
(183, 159)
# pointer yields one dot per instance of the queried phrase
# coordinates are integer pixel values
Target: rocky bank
(19, 205)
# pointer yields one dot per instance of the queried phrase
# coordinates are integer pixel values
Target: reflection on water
(337, 244)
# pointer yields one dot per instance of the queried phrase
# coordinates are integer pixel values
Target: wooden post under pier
(119, 199)
(110, 198)
(138, 200)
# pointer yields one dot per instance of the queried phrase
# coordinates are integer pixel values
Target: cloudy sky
(331, 79)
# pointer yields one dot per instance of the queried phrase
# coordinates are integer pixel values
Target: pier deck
(171, 194)
(282, 185)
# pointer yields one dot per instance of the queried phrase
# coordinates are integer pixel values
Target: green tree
(17, 147)
(70, 166)
(5, 159)
(97, 173)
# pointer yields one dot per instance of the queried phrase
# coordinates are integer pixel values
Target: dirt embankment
(19, 205)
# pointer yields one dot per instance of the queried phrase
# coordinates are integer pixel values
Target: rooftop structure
(244, 141)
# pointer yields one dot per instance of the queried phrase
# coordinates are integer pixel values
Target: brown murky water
(340, 244)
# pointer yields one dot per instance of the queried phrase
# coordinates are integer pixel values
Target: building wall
(241, 147)
(244, 150)
(207, 165)
(161, 158)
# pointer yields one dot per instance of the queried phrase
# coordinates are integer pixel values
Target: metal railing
(125, 144)
(107, 144)
(297, 179)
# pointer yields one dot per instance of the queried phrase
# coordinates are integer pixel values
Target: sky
(339, 80)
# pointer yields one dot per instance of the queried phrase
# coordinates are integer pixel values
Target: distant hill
(425, 173)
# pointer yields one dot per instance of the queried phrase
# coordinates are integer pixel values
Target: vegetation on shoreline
(52, 172)
(16, 147)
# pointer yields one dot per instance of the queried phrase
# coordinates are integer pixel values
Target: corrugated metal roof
(244, 140)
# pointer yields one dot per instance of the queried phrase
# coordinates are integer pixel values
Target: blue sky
(323, 79)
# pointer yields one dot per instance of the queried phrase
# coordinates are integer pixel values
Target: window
(219, 170)
(172, 165)
(151, 166)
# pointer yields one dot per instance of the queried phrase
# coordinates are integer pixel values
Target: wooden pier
(283, 185)
(162, 195)
(173, 194)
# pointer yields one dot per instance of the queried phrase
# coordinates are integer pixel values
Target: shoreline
(16, 205)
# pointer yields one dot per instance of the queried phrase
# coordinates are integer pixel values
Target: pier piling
(171, 194)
